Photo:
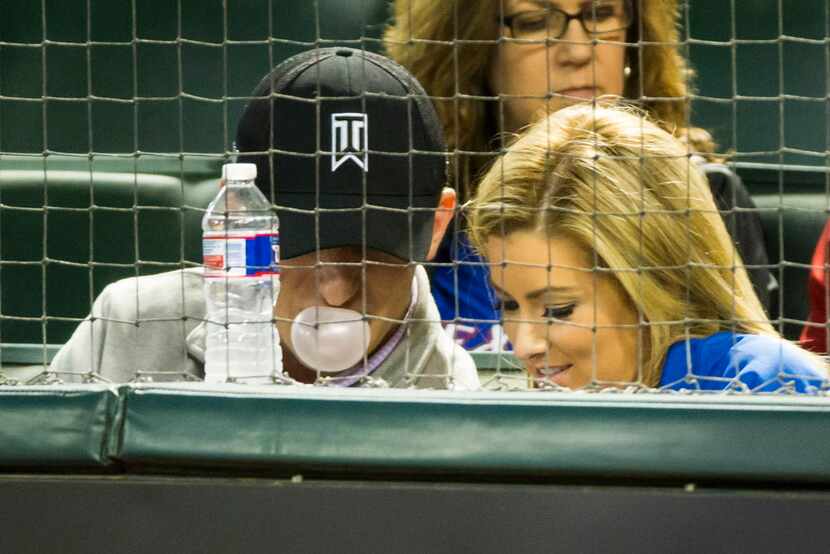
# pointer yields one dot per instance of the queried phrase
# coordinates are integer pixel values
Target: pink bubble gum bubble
(329, 339)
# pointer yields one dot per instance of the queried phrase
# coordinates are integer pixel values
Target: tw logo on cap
(349, 140)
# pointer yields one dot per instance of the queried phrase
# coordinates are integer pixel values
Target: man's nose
(576, 47)
(338, 284)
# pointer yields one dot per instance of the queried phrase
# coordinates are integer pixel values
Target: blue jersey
(752, 363)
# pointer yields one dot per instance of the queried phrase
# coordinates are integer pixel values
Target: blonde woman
(613, 266)
(495, 66)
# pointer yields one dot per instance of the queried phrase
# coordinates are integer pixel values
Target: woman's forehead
(538, 269)
(567, 5)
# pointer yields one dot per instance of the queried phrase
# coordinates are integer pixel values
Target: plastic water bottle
(240, 251)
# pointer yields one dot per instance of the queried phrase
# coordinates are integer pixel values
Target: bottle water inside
(240, 247)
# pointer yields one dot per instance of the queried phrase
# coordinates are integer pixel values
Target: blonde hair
(625, 190)
(448, 45)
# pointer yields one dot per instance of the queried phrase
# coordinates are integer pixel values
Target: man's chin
(299, 371)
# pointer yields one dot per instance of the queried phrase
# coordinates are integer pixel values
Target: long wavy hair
(448, 44)
(624, 189)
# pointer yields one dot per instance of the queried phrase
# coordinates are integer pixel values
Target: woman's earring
(627, 71)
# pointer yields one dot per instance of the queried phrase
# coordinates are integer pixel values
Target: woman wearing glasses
(495, 66)
(594, 293)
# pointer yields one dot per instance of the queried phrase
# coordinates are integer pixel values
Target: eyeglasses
(602, 16)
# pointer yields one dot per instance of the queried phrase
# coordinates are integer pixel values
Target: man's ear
(443, 216)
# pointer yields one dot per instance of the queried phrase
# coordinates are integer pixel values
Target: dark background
(746, 62)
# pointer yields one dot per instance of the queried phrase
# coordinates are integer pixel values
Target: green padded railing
(246, 430)
(48, 427)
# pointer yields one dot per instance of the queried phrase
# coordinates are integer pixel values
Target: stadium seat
(793, 220)
(70, 227)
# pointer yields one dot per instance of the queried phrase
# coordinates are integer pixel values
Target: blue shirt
(463, 294)
(736, 361)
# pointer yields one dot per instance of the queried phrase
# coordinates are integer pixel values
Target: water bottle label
(241, 255)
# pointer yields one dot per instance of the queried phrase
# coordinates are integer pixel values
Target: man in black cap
(349, 149)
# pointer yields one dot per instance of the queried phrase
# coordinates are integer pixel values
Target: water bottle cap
(239, 172)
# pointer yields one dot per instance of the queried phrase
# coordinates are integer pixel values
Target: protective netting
(116, 117)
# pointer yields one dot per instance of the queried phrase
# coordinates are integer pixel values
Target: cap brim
(404, 232)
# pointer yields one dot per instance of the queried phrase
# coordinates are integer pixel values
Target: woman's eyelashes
(559, 312)
(505, 305)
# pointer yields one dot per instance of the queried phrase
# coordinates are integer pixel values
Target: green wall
(178, 86)
(741, 83)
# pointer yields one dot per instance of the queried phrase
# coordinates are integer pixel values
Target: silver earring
(627, 71)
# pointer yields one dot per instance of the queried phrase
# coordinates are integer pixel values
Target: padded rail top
(240, 430)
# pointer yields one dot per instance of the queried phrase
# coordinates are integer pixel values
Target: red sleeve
(815, 338)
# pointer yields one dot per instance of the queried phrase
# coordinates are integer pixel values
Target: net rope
(113, 132)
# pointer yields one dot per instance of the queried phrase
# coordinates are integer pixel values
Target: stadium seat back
(67, 233)
(794, 207)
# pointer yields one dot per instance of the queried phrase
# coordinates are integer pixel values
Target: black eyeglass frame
(507, 21)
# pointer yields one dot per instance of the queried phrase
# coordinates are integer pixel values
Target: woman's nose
(338, 284)
(576, 46)
(528, 338)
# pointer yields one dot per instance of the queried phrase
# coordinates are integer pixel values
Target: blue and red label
(229, 255)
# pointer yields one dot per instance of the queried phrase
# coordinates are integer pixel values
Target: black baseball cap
(353, 132)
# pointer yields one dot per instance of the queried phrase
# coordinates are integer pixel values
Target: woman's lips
(557, 374)
(586, 93)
